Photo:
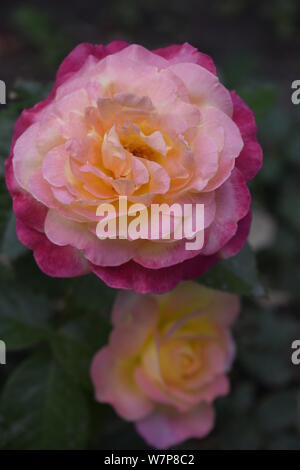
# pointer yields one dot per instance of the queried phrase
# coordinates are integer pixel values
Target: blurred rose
(157, 127)
(167, 360)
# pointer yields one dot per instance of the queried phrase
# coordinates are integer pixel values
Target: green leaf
(278, 411)
(241, 398)
(260, 98)
(238, 69)
(290, 198)
(39, 28)
(29, 275)
(272, 169)
(75, 344)
(237, 274)
(274, 127)
(7, 119)
(5, 208)
(293, 150)
(240, 433)
(264, 341)
(42, 408)
(113, 432)
(24, 317)
(268, 369)
(276, 333)
(29, 92)
(91, 294)
(10, 246)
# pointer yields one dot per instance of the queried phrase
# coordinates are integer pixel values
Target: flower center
(138, 149)
(179, 361)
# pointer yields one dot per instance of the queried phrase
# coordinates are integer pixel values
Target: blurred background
(256, 46)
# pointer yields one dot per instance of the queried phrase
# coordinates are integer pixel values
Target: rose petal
(164, 429)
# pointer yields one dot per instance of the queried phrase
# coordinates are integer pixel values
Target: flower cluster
(157, 128)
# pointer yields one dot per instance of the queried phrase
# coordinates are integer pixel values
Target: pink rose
(167, 360)
(152, 126)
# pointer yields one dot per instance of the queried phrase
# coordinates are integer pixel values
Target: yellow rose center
(179, 360)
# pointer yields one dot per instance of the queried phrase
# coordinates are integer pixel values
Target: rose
(166, 361)
(154, 126)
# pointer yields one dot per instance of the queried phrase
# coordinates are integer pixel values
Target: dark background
(256, 46)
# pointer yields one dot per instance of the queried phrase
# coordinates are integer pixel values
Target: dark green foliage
(53, 327)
